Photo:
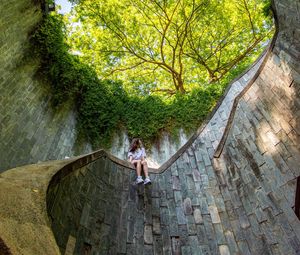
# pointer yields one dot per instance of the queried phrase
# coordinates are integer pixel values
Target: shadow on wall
(260, 167)
(90, 207)
(260, 162)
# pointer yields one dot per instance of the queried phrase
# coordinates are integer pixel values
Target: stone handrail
(34, 185)
(222, 142)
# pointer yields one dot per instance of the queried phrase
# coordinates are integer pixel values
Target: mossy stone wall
(30, 130)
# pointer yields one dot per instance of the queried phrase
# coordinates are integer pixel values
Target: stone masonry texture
(30, 130)
(237, 202)
(240, 202)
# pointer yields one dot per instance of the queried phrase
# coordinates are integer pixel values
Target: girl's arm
(130, 159)
(133, 161)
(143, 155)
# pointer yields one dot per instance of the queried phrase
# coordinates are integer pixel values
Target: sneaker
(139, 180)
(147, 181)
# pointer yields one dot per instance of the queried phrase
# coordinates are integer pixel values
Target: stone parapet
(237, 202)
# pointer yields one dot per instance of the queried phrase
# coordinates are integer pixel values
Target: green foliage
(97, 101)
(63, 70)
(100, 111)
(105, 106)
(168, 46)
(103, 112)
(50, 1)
(267, 8)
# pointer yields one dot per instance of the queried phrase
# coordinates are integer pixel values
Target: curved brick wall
(232, 197)
(222, 193)
(260, 161)
(30, 130)
(89, 208)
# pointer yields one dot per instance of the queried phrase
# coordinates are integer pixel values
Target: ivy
(267, 8)
(104, 107)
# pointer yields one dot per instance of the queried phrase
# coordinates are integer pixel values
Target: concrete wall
(263, 140)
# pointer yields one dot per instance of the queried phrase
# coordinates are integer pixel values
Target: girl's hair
(136, 143)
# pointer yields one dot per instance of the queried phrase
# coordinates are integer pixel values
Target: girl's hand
(130, 159)
(135, 161)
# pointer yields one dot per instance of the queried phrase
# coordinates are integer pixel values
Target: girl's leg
(138, 168)
(145, 168)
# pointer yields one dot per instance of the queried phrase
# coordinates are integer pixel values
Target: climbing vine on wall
(104, 106)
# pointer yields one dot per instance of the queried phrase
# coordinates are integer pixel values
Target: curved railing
(93, 204)
(86, 197)
(222, 142)
(74, 195)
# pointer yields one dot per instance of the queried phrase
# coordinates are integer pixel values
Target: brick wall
(89, 208)
(240, 202)
(30, 131)
(260, 162)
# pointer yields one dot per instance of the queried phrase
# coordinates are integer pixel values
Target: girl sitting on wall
(137, 155)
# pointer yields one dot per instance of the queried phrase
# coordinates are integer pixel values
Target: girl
(137, 155)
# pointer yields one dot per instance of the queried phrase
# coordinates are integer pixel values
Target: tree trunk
(212, 77)
(180, 85)
(178, 82)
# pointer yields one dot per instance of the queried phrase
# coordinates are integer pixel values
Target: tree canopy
(167, 46)
(188, 49)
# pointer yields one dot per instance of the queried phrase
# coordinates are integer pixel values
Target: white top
(138, 154)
